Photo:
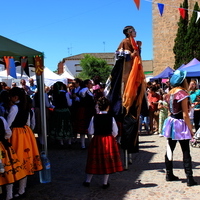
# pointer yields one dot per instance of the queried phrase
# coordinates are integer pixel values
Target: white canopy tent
(9, 79)
(50, 77)
(67, 75)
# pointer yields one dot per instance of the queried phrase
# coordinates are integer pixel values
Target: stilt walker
(125, 90)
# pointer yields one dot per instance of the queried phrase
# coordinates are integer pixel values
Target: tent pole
(40, 85)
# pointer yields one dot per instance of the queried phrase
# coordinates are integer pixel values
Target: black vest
(60, 100)
(21, 118)
(102, 124)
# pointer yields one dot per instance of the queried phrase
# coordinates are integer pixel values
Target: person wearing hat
(177, 126)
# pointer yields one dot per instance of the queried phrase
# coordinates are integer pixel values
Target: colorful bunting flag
(7, 61)
(137, 3)
(161, 8)
(198, 16)
(24, 65)
(182, 12)
(12, 68)
(39, 68)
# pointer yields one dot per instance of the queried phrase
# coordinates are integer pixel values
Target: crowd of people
(80, 108)
(69, 110)
(153, 121)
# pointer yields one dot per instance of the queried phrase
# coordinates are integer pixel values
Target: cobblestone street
(145, 178)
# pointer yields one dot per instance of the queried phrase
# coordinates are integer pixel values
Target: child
(163, 114)
(11, 166)
(23, 139)
(103, 154)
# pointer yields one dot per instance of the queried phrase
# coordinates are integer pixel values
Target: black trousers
(185, 147)
(197, 119)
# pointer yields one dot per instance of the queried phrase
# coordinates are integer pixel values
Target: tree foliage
(93, 67)
(192, 38)
(180, 40)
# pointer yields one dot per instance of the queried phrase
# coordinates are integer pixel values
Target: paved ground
(144, 180)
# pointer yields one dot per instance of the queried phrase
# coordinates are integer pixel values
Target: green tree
(93, 67)
(179, 42)
(193, 37)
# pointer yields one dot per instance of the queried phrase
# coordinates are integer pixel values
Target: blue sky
(62, 28)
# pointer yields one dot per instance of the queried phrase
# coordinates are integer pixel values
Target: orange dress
(24, 142)
(13, 170)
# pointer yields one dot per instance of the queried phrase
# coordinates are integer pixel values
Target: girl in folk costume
(11, 166)
(177, 126)
(86, 110)
(23, 139)
(60, 127)
(103, 154)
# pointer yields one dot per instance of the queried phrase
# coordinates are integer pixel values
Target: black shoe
(105, 186)
(130, 161)
(86, 184)
(171, 177)
(191, 181)
(19, 196)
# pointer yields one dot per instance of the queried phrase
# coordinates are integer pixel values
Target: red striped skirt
(103, 156)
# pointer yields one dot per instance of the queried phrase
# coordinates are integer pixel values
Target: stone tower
(164, 32)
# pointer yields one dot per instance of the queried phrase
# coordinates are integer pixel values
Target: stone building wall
(164, 32)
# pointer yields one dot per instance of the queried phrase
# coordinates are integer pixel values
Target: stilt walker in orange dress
(126, 88)
(23, 139)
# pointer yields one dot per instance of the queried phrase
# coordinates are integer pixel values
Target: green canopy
(15, 49)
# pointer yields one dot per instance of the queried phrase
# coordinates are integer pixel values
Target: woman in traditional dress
(12, 169)
(103, 154)
(23, 139)
(60, 126)
(86, 110)
(177, 126)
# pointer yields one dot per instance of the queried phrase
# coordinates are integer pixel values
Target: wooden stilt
(125, 159)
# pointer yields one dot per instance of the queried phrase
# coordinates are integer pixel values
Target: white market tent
(9, 79)
(50, 77)
(67, 75)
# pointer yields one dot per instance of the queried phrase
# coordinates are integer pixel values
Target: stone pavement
(144, 180)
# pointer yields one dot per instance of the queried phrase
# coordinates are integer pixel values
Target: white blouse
(8, 131)
(114, 126)
(12, 114)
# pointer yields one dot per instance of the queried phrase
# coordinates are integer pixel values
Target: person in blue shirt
(33, 87)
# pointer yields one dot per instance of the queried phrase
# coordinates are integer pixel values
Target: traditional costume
(103, 153)
(174, 126)
(126, 93)
(23, 140)
(177, 127)
(75, 108)
(86, 110)
(13, 168)
(60, 126)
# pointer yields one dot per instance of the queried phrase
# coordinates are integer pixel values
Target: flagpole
(40, 85)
